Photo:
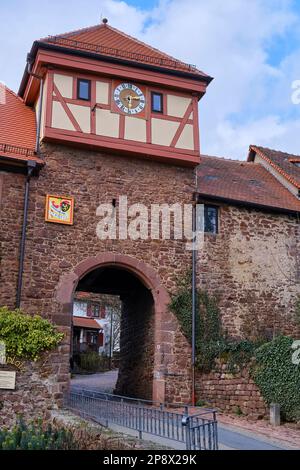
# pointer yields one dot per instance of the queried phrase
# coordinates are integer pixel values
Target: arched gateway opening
(144, 318)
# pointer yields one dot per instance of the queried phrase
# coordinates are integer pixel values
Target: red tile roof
(17, 128)
(106, 40)
(281, 161)
(85, 322)
(243, 182)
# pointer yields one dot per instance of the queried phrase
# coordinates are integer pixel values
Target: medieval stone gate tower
(114, 117)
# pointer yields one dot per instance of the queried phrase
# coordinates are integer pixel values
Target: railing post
(140, 423)
(216, 437)
(106, 417)
(186, 423)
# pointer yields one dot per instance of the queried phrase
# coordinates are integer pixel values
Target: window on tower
(83, 89)
(157, 102)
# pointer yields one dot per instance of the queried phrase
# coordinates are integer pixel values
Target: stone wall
(253, 267)
(231, 393)
(136, 363)
(11, 216)
(39, 388)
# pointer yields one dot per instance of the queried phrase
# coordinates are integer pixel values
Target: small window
(210, 219)
(157, 102)
(83, 89)
(96, 310)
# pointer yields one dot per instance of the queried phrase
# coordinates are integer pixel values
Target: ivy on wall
(27, 336)
(277, 377)
(211, 341)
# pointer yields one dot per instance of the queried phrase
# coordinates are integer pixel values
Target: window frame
(85, 80)
(152, 102)
(96, 310)
(216, 208)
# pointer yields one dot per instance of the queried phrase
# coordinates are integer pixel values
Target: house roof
(84, 322)
(105, 40)
(283, 162)
(17, 128)
(243, 182)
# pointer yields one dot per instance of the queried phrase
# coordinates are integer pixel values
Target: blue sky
(252, 48)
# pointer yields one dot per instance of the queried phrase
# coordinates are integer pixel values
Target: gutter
(46, 46)
(31, 165)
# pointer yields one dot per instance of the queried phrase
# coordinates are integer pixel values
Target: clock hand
(130, 98)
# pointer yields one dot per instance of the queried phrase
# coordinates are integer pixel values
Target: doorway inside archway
(123, 303)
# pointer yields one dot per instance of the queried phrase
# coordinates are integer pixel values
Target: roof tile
(281, 161)
(245, 182)
(85, 322)
(106, 40)
(17, 128)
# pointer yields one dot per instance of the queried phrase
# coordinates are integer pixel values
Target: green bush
(277, 377)
(35, 436)
(92, 362)
(27, 336)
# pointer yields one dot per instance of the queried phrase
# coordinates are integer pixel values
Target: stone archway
(151, 280)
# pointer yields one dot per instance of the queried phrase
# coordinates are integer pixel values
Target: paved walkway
(102, 382)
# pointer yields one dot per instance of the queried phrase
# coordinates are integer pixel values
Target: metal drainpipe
(31, 165)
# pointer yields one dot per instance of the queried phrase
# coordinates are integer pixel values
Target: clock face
(129, 98)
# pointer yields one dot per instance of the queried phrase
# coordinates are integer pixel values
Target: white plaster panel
(60, 119)
(163, 131)
(64, 84)
(107, 123)
(135, 129)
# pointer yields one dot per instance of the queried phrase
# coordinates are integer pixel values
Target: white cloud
(229, 41)
(270, 129)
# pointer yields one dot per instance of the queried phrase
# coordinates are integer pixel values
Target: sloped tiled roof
(243, 182)
(17, 127)
(106, 40)
(281, 161)
(85, 322)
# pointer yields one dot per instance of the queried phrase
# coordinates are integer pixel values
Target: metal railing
(7, 148)
(201, 432)
(197, 432)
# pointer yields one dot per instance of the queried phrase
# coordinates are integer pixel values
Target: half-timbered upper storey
(106, 90)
